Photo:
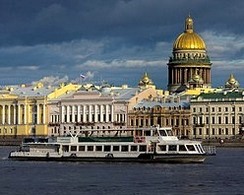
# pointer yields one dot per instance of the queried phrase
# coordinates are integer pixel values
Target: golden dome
(145, 80)
(232, 82)
(189, 39)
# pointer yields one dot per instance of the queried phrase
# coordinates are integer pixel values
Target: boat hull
(143, 158)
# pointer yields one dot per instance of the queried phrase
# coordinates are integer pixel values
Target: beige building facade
(218, 115)
(154, 113)
(99, 109)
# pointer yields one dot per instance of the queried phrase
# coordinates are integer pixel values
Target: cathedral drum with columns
(189, 66)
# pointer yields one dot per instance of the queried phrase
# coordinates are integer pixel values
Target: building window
(226, 120)
(220, 131)
(167, 122)
(226, 109)
(226, 131)
(219, 109)
(194, 120)
(207, 120)
(219, 119)
(213, 120)
(213, 109)
(142, 124)
(200, 131)
(207, 131)
(213, 131)
(200, 120)
(240, 109)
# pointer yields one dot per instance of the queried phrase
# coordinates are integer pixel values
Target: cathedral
(189, 67)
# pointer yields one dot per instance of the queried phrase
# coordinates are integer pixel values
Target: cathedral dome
(189, 39)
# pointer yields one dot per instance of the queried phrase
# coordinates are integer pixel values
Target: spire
(189, 24)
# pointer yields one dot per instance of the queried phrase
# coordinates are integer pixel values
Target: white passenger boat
(143, 145)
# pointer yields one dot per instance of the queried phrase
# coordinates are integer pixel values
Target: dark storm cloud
(58, 37)
(29, 22)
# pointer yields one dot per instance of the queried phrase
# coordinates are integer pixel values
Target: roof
(31, 90)
(224, 95)
(152, 104)
(121, 93)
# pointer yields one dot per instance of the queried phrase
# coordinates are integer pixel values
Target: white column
(3, 116)
(84, 113)
(73, 113)
(19, 122)
(101, 112)
(95, 112)
(106, 112)
(9, 107)
(68, 113)
(90, 113)
(44, 113)
(25, 114)
(78, 113)
(112, 113)
(14, 114)
(37, 114)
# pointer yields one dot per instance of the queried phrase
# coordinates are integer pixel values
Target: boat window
(182, 148)
(147, 133)
(155, 133)
(73, 148)
(133, 148)
(65, 148)
(124, 148)
(90, 148)
(115, 148)
(28, 140)
(142, 148)
(169, 132)
(201, 148)
(81, 148)
(107, 148)
(99, 148)
(172, 147)
(162, 147)
(190, 147)
(198, 149)
(162, 133)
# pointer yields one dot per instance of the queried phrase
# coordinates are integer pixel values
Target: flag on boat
(82, 76)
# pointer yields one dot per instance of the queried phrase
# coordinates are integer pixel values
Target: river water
(220, 174)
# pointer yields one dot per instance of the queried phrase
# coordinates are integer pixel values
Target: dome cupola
(232, 83)
(189, 40)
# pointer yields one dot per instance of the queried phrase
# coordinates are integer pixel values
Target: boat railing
(210, 150)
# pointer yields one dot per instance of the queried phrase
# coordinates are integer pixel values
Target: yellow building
(23, 109)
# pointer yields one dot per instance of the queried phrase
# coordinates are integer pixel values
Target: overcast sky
(114, 40)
